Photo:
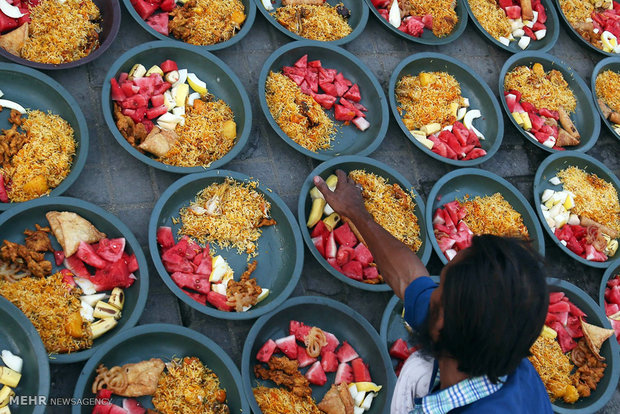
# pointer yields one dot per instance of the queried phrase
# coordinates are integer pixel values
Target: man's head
(489, 308)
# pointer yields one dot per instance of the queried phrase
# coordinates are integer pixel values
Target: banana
(155, 69)
(5, 410)
(316, 212)
(332, 181)
(117, 298)
(9, 377)
(331, 221)
(138, 71)
(5, 396)
(102, 326)
(105, 310)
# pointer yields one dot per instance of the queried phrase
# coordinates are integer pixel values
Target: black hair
(494, 302)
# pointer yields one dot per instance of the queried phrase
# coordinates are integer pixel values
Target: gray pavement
(127, 188)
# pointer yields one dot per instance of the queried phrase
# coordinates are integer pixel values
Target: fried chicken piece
(264, 222)
(284, 371)
(15, 118)
(38, 240)
(25, 259)
(591, 370)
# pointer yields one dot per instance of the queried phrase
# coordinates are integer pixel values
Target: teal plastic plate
(357, 21)
(347, 164)
(427, 38)
(611, 272)
(250, 12)
(576, 35)
(110, 23)
(480, 96)
(476, 182)
(19, 336)
(15, 221)
(584, 117)
(280, 252)
(332, 316)
(393, 324)
(34, 90)
(348, 140)
(607, 386)
(613, 64)
(166, 342)
(548, 169)
(220, 79)
(543, 45)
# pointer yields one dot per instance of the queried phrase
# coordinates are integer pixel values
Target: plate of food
(429, 22)
(445, 109)
(213, 25)
(606, 91)
(576, 355)
(225, 245)
(516, 25)
(332, 354)
(52, 34)
(609, 296)
(76, 271)
(46, 134)
(334, 21)
(335, 241)
(167, 368)
(472, 202)
(548, 102)
(396, 333)
(586, 222)
(322, 100)
(595, 24)
(24, 366)
(176, 107)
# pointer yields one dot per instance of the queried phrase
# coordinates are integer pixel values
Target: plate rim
(612, 270)
(42, 359)
(499, 136)
(338, 42)
(437, 41)
(122, 228)
(167, 279)
(563, 66)
(595, 72)
(499, 180)
(172, 329)
(247, 26)
(312, 300)
(116, 24)
(400, 179)
(536, 187)
(262, 80)
(211, 59)
(78, 162)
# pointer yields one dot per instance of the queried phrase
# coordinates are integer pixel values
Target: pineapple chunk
(454, 108)
(527, 124)
(569, 202)
(548, 332)
(518, 118)
(430, 129)
(229, 129)
(426, 78)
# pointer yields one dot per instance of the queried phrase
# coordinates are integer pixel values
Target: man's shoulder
(523, 392)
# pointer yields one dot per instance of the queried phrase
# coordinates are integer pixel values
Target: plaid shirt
(458, 395)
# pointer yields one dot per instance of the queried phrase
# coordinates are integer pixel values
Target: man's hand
(346, 199)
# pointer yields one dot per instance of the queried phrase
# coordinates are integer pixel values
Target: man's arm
(398, 264)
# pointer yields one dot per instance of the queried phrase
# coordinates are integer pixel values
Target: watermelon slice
(574, 310)
(299, 330)
(353, 94)
(111, 249)
(316, 375)
(513, 12)
(159, 23)
(344, 236)
(399, 349)
(329, 362)
(288, 346)
(133, 406)
(555, 297)
(325, 100)
(87, 254)
(360, 371)
(303, 359)
(198, 297)
(353, 270)
(344, 374)
(76, 266)
(427, 19)
(329, 88)
(566, 341)
(302, 62)
(345, 255)
(264, 354)
(198, 283)
(370, 273)
(363, 255)
(59, 257)
(320, 230)
(144, 8)
(332, 262)
(332, 342)
(343, 114)
(219, 301)
(319, 243)
(330, 247)
(113, 275)
(346, 353)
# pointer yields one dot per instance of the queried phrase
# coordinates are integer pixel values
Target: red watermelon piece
(344, 374)
(329, 362)
(303, 359)
(360, 371)
(288, 346)
(363, 255)
(266, 351)
(316, 375)
(399, 349)
(87, 254)
(346, 353)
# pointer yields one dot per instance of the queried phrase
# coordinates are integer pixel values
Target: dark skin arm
(398, 264)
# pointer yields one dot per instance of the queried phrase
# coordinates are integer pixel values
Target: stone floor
(110, 169)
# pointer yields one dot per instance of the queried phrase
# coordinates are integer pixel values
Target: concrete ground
(111, 170)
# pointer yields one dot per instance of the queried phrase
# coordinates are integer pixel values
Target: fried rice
(550, 91)
(493, 215)
(313, 22)
(281, 401)
(207, 22)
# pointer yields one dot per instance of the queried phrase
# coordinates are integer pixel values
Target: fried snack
(590, 368)
(130, 380)
(315, 341)
(243, 293)
(284, 371)
(337, 400)
(70, 229)
(595, 336)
